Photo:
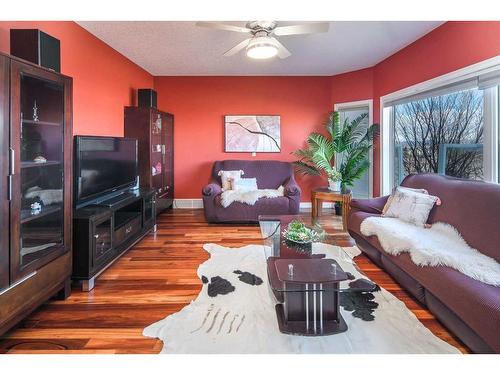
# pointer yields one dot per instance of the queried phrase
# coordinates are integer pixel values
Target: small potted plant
(334, 179)
(300, 237)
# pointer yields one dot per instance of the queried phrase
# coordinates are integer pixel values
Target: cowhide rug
(235, 313)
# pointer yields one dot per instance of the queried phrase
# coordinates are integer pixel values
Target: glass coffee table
(307, 285)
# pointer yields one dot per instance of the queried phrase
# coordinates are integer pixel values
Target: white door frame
(353, 105)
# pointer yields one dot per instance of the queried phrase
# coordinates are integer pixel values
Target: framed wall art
(252, 133)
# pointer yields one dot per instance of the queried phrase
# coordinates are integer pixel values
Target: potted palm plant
(342, 154)
(334, 179)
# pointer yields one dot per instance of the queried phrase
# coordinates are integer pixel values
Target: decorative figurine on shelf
(40, 159)
(153, 171)
(157, 125)
(36, 208)
(158, 167)
(35, 112)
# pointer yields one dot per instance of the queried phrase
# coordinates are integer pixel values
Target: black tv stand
(103, 231)
(117, 199)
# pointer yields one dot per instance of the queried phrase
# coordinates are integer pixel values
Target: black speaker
(146, 98)
(36, 46)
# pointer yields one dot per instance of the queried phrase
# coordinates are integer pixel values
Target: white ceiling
(183, 49)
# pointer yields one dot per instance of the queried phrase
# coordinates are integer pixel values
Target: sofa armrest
(292, 189)
(212, 189)
(373, 205)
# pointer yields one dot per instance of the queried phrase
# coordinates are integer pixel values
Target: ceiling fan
(262, 44)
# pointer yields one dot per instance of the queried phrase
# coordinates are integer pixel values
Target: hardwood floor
(157, 277)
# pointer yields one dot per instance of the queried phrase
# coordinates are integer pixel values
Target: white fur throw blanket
(249, 196)
(440, 245)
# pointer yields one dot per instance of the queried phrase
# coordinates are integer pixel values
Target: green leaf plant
(342, 154)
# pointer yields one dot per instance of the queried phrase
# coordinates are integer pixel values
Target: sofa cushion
(229, 177)
(476, 303)
(244, 212)
(389, 199)
(410, 206)
(245, 184)
(270, 174)
(472, 207)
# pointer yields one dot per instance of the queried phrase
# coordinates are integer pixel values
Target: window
(448, 125)
(349, 111)
(440, 134)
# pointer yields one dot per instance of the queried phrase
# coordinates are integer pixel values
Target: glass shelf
(32, 122)
(28, 215)
(32, 164)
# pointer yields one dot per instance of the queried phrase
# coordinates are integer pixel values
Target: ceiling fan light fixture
(262, 48)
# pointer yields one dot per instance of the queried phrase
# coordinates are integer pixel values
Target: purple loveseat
(469, 308)
(270, 175)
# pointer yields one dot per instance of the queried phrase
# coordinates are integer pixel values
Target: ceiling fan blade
(283, 52)
(237, 48)
(223, 26)
(307, 28)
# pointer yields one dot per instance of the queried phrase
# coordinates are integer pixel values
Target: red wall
(104, 81)
(200, 103)
(449, 47)
(352, 86)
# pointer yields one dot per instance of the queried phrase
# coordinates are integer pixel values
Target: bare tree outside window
(441, 134)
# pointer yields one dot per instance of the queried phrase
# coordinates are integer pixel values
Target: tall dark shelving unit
(154, 131)
(35, 188)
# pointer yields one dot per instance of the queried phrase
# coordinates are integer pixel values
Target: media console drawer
(127, 230)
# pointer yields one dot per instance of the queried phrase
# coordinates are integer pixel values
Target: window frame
(491, 126)
(355, 105)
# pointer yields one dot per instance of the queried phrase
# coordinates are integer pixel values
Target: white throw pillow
(245, 184)
(228, 177)
(389, 200)
(411, 206)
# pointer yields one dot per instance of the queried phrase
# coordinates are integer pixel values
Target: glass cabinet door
(168, 156)
(157, 145)
(37, 142)
(4, 173)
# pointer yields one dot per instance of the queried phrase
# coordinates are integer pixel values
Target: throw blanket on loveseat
(440, 245)
(248, 196)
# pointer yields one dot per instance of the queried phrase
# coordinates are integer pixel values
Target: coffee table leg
(321, 308)
(307, 308)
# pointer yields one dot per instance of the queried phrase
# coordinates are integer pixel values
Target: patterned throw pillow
(246, 184)
(228, 177)
(411, 206)
(389, 200)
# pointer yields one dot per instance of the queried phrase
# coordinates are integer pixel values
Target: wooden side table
(320, 195)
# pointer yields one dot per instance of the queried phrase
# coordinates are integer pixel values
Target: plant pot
(334, 185)
(338, 209)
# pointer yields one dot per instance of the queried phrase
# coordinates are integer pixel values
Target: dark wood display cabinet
(35, 188)
(103, 232)
(154, 131)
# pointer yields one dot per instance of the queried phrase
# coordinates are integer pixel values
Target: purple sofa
(469, 308)
(270, 175)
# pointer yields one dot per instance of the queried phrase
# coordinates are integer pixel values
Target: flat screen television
(103, 165)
